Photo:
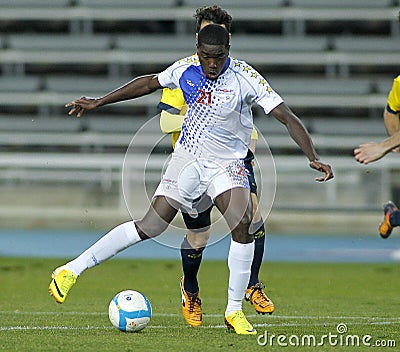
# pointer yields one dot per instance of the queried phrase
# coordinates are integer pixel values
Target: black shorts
(248, 163)
(203, 221)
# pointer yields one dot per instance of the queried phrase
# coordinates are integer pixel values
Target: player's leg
(235, 205)
(166, 202)
(255, 289)
(391, 219)
(191, 253)
(192, 247)
(255, 293)
(258, 230)
(156, 220)
(257, 224)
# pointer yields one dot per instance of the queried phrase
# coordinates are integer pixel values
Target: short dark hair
(213, 14)
(213, 34)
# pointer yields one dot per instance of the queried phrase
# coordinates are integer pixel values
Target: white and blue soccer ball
(129, 311)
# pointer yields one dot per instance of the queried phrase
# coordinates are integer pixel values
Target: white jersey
(219, 121)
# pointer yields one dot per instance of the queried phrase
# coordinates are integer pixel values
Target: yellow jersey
(173, 109)
(393, 103)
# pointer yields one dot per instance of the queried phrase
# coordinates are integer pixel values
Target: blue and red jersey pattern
(219, 120)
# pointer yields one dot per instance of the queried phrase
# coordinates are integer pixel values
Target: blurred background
(332, 61)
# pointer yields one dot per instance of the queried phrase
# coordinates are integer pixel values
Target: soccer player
(173, 109)
(369, 152)
(208, 159)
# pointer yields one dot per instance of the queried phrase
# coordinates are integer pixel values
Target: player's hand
(80, 105)
(325, 168)
(369, 152)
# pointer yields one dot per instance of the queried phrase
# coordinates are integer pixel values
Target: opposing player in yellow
(369, 152)
(173, 109)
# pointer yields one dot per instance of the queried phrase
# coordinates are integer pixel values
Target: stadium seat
(351, 127)
(58, 42)
(35, 3)
(16, 123)
(235, 3)
(341, 3)
(19, 84)
(151, 42)
(113, 124)
(128, 3)
(315, 86)
(384, 85)
(82, 84)
(382, 44)
(269, 43)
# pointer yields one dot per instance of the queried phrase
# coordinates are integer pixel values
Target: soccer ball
(129, 311)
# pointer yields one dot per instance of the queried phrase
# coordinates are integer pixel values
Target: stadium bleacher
(148, 4)
(35, 3)
(332, 61)
(373, 4)
(43, 62)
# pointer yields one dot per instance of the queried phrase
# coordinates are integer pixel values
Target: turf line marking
(220, 326)
(305, 317)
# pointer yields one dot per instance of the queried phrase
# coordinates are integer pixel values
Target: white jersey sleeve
(170, 77)
(267, 98)
(261, 92)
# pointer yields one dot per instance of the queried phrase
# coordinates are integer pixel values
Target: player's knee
(244, 221)
(241, 232)
(197, 239)
(147, 229)
(242, 237)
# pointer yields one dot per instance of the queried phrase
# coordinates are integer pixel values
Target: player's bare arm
(369, 152)
(392, 125)
(136, 88)
(391, 121)
(300, 135)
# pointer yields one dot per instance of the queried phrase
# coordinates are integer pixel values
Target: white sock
(110, 244)
(239, 262)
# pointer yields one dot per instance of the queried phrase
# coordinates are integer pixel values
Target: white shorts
(187, 179)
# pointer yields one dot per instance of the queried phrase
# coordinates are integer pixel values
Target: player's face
(213, 59)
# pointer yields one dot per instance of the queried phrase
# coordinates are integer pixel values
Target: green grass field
(310, 298)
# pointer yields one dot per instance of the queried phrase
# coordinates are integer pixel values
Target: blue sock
(191, 260)
(259, 241)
